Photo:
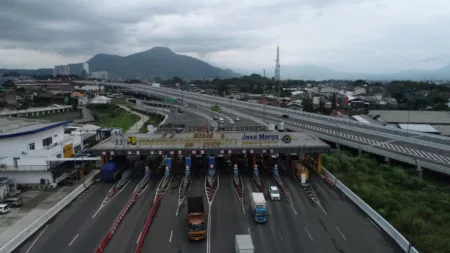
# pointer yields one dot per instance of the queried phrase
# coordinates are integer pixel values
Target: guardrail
(41, 221)
(377, 218)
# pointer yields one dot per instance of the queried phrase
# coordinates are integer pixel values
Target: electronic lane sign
(190, 129)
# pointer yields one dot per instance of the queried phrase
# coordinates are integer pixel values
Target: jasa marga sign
(265, 139)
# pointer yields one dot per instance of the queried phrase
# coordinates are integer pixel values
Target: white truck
(280, 126)
(244, 244)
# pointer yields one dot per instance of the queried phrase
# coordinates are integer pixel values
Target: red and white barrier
(147, 225)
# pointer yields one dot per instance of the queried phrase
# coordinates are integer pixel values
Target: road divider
(185, 185)
(160, 190)
(41, 221)
(136, 193)
(211, 187)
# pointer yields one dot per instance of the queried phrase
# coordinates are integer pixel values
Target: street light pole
(409, 112)
(264, 95)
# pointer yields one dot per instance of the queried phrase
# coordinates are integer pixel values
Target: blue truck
(259, 207)
(112, 170)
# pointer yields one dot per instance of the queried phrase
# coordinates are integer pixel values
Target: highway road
(432, 153)
(80, 228)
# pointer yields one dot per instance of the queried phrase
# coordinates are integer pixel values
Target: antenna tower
(277, 70)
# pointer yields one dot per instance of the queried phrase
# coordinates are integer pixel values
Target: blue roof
(32, 129)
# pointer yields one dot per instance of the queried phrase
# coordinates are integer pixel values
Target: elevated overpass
(421, 150)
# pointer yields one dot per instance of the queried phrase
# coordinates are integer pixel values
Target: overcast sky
(346, 35)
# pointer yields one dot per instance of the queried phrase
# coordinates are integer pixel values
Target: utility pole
(264, 95)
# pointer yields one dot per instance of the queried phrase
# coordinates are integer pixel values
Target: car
(274, 193)
(4, 208)
(231, 121)
(12, 202)
(215, 117)
(285, 116)
(237, 119)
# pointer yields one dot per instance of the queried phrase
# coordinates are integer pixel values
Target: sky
(370, 36)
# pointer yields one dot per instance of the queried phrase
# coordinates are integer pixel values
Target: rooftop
(12, 127)
(417, 117)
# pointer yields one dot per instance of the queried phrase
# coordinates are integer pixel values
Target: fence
(41, 221)
(378, 219)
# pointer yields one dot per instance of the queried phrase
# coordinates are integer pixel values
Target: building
(100, 74)
(100, 100)
(30, 150)
(86, 67)
(61, 70)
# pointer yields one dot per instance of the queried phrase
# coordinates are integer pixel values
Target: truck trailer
(244, 244)
(301, 172)
(259, 207)
(112, 170)
(196, 219)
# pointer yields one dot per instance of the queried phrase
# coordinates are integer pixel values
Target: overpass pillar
(212, 165)
(235, 169)
(319, 163)
(188, 163)
(255, 170)
(168, 163)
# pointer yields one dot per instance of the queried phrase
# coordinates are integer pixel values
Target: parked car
(12, 202)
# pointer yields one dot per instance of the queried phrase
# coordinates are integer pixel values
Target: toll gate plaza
(211, 143)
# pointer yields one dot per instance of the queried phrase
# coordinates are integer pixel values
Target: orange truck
(301, 172)
(196, 219)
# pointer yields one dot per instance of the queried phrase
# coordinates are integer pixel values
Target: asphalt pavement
(77, 229)
(126, 236)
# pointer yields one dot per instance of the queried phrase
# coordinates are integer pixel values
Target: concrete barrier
(377, 218)
(41, 221)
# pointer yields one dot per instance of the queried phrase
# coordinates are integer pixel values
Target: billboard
(68, 150)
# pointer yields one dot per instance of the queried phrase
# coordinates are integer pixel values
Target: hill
(157, 62)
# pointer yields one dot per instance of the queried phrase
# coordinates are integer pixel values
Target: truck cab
(196, 219)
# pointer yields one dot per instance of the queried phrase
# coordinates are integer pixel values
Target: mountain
(157, 62)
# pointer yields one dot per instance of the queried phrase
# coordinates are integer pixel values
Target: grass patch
(153, 120)
(111, 115)
(418, 208)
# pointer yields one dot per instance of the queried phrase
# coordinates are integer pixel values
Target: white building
(100, 100)
(29, 150)
(61, 70)
(90, 87)
(100, 74)
(86, 67)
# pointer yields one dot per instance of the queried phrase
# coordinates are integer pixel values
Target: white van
(4, 208)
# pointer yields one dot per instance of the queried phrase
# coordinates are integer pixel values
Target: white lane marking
(95, 214)
(140, 234)
(293, 209)
(341, 233)
(37, 238)
(373, 223)
(279, 234)
(318, 202)
(73, 239)
(171, 234)
(249, 231)
(308, 234)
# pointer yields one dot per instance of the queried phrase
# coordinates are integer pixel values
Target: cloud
(345, 35)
